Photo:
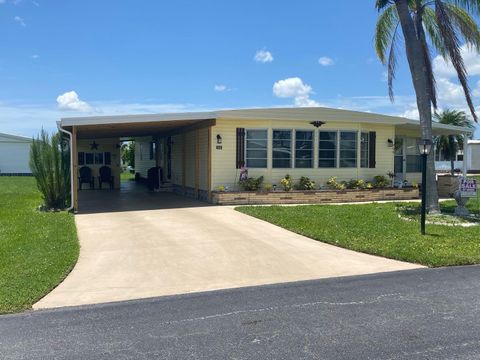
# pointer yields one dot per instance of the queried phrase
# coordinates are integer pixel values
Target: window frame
(335, 159)
(356, 132)
(312, 150)
(291, 149)
(266, 148)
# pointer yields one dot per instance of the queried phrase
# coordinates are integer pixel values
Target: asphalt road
(417, 314)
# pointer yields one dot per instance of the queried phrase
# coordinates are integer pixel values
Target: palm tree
(450, 144)
(439, 24)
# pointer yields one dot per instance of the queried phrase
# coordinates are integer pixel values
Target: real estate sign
(468, 187)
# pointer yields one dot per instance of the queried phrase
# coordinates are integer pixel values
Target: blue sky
(75, 58)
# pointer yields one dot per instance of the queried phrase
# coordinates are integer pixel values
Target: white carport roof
(119, 125)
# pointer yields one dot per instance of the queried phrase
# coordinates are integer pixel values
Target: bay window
(282, 149)
(303, 149)
(327, 149)
(348, 149)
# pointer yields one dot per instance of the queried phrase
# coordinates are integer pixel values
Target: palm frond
(380, 4)
(472, 6)
(385, 32)
(392, 65)
(465, 24)
(452, 45)
(431, 28)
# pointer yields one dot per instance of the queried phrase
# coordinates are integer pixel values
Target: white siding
(223, 161)
(14, 156)
(177, 165)
(142, 156)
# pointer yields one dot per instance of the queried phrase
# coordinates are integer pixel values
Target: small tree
(49, 163)
(450, 144)
(128, 153)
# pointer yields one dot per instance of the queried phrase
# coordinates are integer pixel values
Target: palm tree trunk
(418, 69)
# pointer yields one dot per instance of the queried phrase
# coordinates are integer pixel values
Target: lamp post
(424, 147)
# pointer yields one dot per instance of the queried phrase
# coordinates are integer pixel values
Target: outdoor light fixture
(390, 143)
(219, 139)
(424, 147)
(317, 123)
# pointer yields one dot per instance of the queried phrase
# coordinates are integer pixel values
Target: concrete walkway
(184, 248)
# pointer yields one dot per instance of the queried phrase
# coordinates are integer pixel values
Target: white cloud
(471, 59)
(35, 56)
(263, 56)
(325, 61)
(19, 20)
(221, 88)
(295, 88)
(71, 101)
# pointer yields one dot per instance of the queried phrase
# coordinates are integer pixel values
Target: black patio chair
(85, 177)
(105, 176)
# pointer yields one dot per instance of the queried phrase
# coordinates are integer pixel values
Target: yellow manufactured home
(196, 153)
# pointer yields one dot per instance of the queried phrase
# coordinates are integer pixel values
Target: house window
(99, 158)
(108, 158)
(153, 150)
(256, 148)
(364, 146)
(348, 149)
(327, 149)
(282, 149)
(414, 160)
(89, 158)
(81, 158)
(303, 149)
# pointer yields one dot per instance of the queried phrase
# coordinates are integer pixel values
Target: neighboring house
(473, 159)
(14, 154)
(201, 151)
(473, 156)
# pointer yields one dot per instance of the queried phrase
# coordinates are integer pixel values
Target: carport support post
(75, 168)
(209, 163)
(197, 163)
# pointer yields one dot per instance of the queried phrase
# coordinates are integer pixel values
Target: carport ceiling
(151, 128)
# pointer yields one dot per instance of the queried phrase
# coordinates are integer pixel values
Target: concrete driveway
(187, 247)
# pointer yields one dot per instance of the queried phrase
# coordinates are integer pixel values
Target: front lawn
(37, 249)
(377, 229)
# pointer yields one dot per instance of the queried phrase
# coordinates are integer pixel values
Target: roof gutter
(70, 136)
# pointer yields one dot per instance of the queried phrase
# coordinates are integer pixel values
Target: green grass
(127, 176)
(376, 229)
(37, 249)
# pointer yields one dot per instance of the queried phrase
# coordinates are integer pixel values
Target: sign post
(467, 188)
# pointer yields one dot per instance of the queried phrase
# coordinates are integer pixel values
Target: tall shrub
(50, 165)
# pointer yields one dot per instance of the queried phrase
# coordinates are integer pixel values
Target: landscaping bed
(377, 229)
(311, 196)
(37, 249)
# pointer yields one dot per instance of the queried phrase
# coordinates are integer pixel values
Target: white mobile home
(14, 154)
(197, 153)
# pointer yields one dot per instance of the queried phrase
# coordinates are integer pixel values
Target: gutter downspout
(70, 135)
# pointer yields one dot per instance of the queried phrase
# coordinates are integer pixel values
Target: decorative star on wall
(93, 145)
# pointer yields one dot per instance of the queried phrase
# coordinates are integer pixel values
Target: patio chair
(85, 177)
(105, 176)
